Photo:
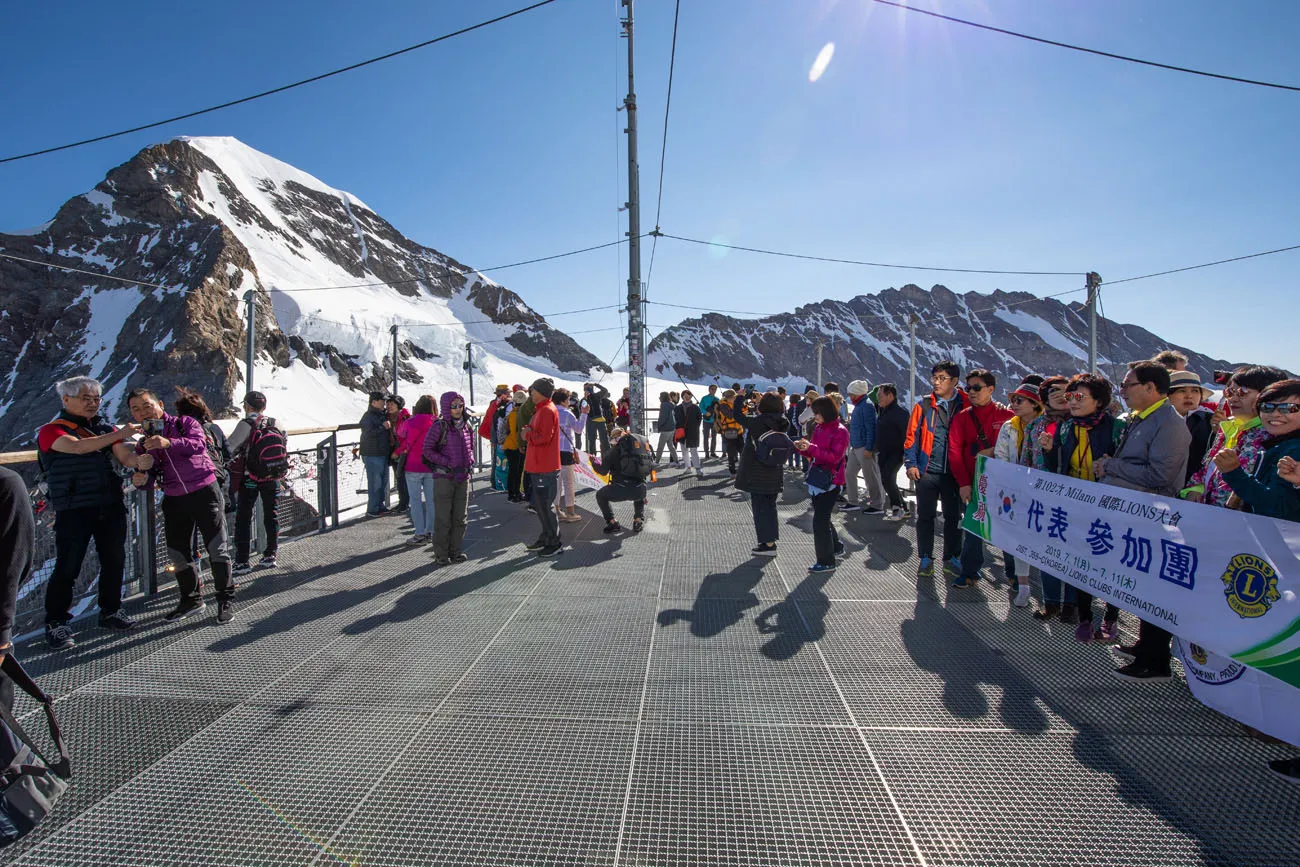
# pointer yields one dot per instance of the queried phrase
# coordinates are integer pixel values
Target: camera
(152, 427)
(1222, 377)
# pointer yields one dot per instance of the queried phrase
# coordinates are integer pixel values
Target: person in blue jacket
(862, 452)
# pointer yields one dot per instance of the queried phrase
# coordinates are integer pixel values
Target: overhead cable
(1096, 51)
(663, 148)
(282, 88)
(1204, 265)
(805, 256)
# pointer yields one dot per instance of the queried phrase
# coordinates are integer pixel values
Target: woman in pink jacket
(827, 449)
(419, 476)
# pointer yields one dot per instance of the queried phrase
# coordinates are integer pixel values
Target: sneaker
(1022, 596)
(1287, 769)
(441, 561)
(872, 510)
(699, 474)
(767, 549)
(1069, 614)
(183, 610)
(846, 506)
(1083, 632)
(927, 567)
(962, 583)
(894, 515)
(225, 611)
(1050, 611)
(1142, 674)
(638, 524)
(535, 546)
(240, 569)
(418, 539)
(613, 527)
(550, 550)
(459, 557)
(1124, 651)
(59, 635)
(1108, 631)
(116, 620)
(953, 565)
(820, 568)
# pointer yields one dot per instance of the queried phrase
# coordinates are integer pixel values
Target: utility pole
(469, 366)
(821, 344)
(251, 349)
(912, 321)
(635, 325)
(393, 329)
(1094, 287)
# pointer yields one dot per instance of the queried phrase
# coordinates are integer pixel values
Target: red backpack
(267, 453)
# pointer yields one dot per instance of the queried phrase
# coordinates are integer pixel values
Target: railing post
(149, 538)
(334, 479)
(322, 486)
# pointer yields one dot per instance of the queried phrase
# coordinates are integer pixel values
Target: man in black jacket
(614, 462)
(600, 415)
(764, 483)
(376, 446)
(891, 432)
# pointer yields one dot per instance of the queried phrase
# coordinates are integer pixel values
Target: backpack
(637, 460)
(725, 422)
(773, 449)
(30, 784)
(216, 453)
(266, 455)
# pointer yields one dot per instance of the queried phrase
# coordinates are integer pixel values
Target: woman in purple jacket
(449, 452)
(827, 448)
(177, 460)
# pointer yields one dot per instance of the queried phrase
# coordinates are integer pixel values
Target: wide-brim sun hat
(1186, 378)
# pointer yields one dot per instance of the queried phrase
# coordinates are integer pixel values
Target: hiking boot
(1141, 674)
(183, 610)
(240, 569)
(767, 549)
(117, 620)
(59, 635)
(225, 611)
(551, 550)
(613, 527)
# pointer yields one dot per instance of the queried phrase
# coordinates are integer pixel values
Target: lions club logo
(1198, 653)
(1250, 585)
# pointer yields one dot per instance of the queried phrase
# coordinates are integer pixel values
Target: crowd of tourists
(1162, 430)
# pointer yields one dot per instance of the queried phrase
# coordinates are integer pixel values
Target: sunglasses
(458, 406)
(975, 389)
(1287, 408)
(1235, 391)
(1077, 396)
(1017, 400)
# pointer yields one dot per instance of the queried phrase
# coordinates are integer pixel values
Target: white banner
(1241, 692)
(585, 475)
(1219, 579)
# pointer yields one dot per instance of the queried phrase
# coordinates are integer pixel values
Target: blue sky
(923, 142)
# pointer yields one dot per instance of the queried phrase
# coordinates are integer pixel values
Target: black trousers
(73, 530)
(766, 526)
(931, 490)
(825, 539)
(1084, 601)
(1152, 647)
(613, 493)
(399, 474)
(890, 464)
(732, 448)
(202, 510)
(596, 430)
(544, 488)
(244, 505)
(514, 474)
(710, 440)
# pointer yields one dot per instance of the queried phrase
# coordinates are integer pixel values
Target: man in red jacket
(974, 431)
(542, 462)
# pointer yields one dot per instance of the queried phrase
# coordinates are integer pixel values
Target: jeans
(420, 487)
(399, 482)
(73, 530)
(376, 483)
(889, 466)
(1052, 590)
(666, 438)
(972, 554)
(245, 501)
(544, 487)
(825, 539)
(766, 525)
(205, 511)
(614, 493)
(450, 517)
(862, 461)
(710, 440)
(932, 489)
(597, 429)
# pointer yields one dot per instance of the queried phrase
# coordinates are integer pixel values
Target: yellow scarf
(1081, 460)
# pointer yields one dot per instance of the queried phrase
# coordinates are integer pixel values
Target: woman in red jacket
(827, 450)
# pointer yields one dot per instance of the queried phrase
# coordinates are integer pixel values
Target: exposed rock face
(201, 222)
(1009, 333)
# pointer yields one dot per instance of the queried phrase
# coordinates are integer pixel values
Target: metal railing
(324, 486)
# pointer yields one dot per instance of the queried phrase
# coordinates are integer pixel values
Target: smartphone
(1222, 377)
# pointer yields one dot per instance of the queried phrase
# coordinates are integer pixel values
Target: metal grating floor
(661, 698)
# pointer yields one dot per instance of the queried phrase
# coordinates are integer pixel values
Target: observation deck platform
(650, 699)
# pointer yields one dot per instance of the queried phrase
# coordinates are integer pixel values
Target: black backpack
(266, 454)
(636, 459)
(30, 784)
(217, 454)
(773, 448)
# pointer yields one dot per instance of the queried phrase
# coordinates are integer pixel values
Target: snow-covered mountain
(1009, 333)
(206, 220)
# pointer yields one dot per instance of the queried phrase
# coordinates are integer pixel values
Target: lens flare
(823, 60)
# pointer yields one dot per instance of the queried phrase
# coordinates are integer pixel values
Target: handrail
(33, 455)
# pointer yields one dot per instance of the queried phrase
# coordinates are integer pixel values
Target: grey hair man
(77, 452)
